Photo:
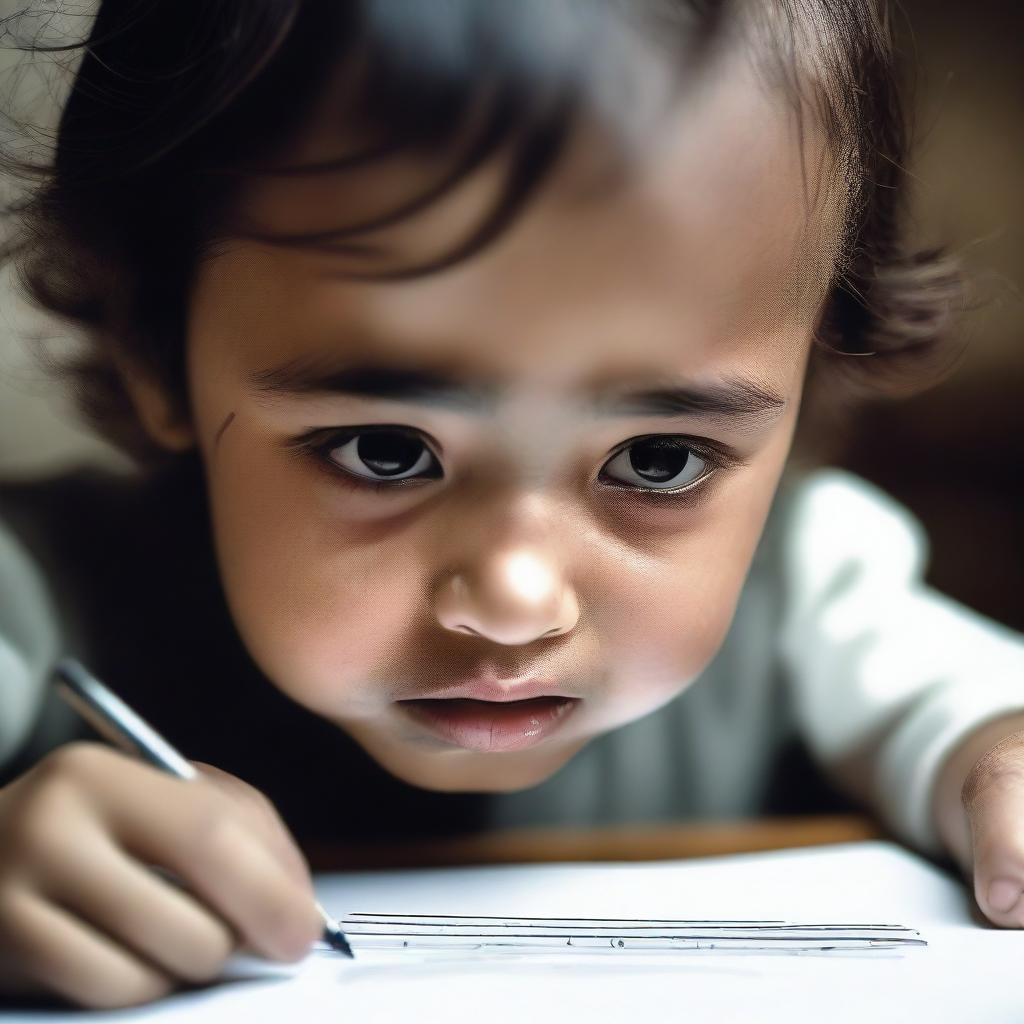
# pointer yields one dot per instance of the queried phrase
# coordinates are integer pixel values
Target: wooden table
(623, 843)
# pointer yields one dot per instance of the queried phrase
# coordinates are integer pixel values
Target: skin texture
(89, 922)
(694, 269)
(979, 810)
(534, 551)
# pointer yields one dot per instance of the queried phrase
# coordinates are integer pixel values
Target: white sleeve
(887, 674)
(29, 643)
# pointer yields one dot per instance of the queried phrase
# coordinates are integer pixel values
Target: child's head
(505, 391)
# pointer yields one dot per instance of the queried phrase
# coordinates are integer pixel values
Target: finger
(61, 954)
(227, 865)
(193, 829)
(233, 872)
(997, 827)
(265, 814)
(137, 909)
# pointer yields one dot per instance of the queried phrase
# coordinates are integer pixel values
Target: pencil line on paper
(636, 938)
(624, 925)
(613, 920)
(539, 935)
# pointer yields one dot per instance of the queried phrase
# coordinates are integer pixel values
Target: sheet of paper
(967, 972)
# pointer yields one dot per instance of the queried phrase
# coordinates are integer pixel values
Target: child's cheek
(320, 608)
(663, 611)
(662, 630)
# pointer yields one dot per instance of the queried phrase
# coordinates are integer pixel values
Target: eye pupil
(657, 460)
(388, 454)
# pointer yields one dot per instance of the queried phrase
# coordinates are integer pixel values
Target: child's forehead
(728, 138)
(716, 233)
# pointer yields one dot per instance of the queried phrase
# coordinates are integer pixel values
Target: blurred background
(954, 455)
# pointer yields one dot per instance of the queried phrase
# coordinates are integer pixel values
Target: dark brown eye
(657, 463)
(382, 455)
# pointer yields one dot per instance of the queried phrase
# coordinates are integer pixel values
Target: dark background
(954, 455)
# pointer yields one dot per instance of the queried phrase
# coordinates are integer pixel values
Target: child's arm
(899, 690)
(30, 641)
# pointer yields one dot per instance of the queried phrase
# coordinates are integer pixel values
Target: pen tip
(335, 938)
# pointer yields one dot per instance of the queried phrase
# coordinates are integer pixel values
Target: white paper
(968, 973)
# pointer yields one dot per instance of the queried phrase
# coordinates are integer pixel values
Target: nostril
(467, 629)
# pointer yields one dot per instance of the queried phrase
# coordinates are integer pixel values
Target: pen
(111, 717)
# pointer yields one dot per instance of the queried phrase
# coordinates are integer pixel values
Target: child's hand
(993, 796)
(81, 914)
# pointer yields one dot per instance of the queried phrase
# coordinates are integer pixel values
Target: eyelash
(317, 444)
(717, 458)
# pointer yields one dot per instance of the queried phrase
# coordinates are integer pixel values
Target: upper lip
(490, 688)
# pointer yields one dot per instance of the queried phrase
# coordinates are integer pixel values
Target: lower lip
(492, 726)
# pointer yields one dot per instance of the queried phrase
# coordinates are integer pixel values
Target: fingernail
(1003, 895)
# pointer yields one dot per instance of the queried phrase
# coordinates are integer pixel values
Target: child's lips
(490, 688)
(492, 726)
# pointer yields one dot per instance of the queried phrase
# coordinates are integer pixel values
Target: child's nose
(511, 597)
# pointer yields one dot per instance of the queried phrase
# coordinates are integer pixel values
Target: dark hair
(176, 101)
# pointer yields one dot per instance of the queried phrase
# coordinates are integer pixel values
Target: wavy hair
(176, 102)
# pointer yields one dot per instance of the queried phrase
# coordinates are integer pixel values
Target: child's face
(537, 537)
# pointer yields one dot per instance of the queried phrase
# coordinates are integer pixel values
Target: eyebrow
(733, 396)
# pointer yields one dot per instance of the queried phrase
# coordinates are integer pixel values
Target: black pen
(111, 717)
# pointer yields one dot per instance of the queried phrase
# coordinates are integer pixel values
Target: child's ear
(159, 415)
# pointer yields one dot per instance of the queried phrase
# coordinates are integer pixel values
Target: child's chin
(467, 771)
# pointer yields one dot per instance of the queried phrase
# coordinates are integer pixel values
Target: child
(465, 344)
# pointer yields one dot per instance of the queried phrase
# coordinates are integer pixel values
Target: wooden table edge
(641, 842)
